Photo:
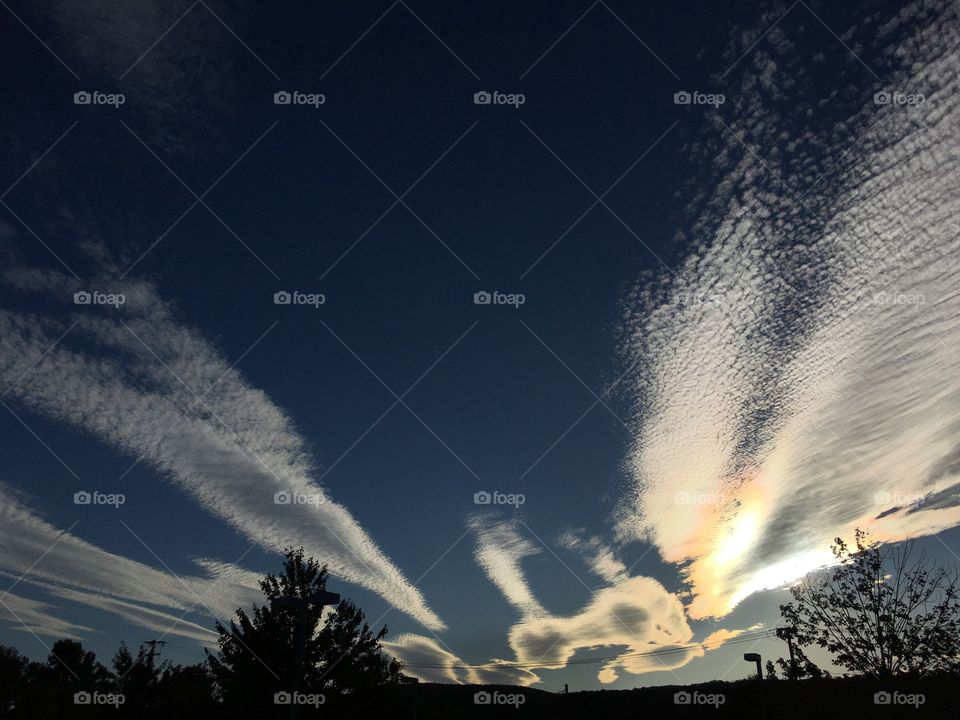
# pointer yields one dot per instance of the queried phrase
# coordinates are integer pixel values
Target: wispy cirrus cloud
(39, 618)
(600, 556)
(799, 375)
(62, 565)
(156, 390)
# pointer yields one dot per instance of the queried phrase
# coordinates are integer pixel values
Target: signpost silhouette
(755, 657)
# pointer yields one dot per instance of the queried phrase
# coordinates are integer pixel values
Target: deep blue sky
(495, 412)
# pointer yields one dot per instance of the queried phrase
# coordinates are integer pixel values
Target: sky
(567, 335)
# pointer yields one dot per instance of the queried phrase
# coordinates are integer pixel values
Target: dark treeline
(287, 655)
(889, 619)
(73, 683)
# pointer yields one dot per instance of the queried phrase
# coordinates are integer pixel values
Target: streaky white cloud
(599, 555)
(39, 618)
(800, 376)
(136, 379)
(163, 622)
(499, 550)
(65, 566)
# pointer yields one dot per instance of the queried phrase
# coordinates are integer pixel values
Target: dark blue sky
(539, 400)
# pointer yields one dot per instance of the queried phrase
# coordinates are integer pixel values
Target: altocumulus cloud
(634, 615)
(800, 375)
(158, 391)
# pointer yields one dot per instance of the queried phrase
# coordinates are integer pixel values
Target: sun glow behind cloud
(800, 374)
(791, 384)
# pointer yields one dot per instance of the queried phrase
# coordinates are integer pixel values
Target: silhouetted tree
(880, 611)
(13, 676)
(803, 668)
(258, 653)
(186, 691)
(70, 665)
(137, 678)
(352, 655)
(49, 689)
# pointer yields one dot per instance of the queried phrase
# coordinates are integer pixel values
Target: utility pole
(153, 649)
(787, 634)
(302, 606)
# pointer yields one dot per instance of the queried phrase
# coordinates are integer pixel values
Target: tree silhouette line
(881, 611)
(291, 654)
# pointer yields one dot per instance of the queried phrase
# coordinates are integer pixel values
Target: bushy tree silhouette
(137, 678)
(258, 653)
(49, 689)
(881, 611)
